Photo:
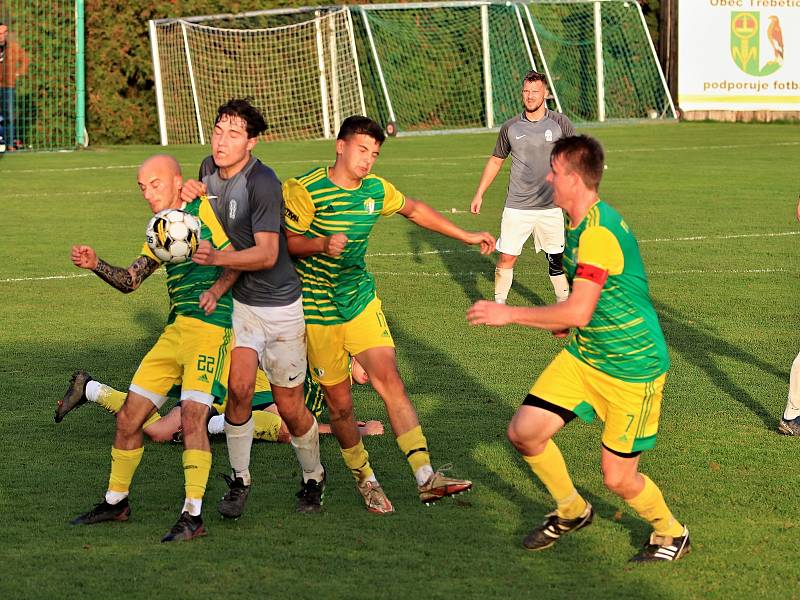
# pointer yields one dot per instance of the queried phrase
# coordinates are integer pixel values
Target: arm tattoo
(126, 280)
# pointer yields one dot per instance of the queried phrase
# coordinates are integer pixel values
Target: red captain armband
(591, 273)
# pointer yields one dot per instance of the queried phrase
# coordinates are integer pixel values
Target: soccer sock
(793, 403)
(550, 468)
(560, 286)
(650, 505)
(151, 419)
(267, 425)
(111, 399)
(239, 439)
(357, 460)
(502, 284)
(196, 466)
(106, 396)
(415, 447)
(306, 447)
(123, 466)
(216, 424)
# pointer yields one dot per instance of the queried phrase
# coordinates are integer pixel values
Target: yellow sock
(196, 466)
(266, 425)
(111, 399)
(357, 460)
(650, 505)
(550, 468)
(415, 447)
(152, 419)
(123, 466)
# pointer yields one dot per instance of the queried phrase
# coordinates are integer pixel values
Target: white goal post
(426, 66)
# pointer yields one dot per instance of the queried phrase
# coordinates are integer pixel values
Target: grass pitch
(713, 208)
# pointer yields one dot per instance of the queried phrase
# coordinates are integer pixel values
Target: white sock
(239, 440)
(560, 286)
(95, 389)
(192, 506)
(306, 447)
(502, 284)
(216, 424)
(793, 403)
(423, 474)
(115, 497)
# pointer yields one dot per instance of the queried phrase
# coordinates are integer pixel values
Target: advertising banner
(739, 55)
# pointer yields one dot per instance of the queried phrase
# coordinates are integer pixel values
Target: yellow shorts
(331, 346)
(191, 353)
(629, 410)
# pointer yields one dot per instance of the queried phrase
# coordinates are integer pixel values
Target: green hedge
(121, 105)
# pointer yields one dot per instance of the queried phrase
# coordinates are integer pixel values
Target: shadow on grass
(699, 346)
(467, 268)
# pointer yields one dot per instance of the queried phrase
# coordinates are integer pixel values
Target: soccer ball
(172, 235)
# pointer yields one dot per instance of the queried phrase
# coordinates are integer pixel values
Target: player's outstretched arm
(575, 312)
(423, 215)
(490, 171)
(125, 280)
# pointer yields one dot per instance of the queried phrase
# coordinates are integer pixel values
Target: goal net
(426, 66)
(302, 75)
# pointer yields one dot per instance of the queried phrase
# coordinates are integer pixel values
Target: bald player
(529, 210)
(193, 351)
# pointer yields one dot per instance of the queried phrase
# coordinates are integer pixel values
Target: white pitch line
(39, 195)
(16, 279)
(460, 274)
(427, 159)
(696, 238)
(470, 250)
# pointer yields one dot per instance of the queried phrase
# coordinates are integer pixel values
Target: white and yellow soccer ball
(173, 234)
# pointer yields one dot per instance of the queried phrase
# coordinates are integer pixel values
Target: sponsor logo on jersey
(232, 209)
(369, 205)
(289, 214)
(519, 137)
(548, 135)
(319, 372)
(203, 378)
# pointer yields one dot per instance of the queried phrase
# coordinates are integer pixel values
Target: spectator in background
(13, 65)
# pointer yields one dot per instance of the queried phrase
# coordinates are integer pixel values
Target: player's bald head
(160, 181)
(163, 163)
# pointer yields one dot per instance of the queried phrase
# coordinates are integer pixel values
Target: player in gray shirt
(529, 208)
(268, 321)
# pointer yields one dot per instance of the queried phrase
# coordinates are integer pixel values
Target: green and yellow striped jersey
(337, 289)
(187, 280)
(623, 338)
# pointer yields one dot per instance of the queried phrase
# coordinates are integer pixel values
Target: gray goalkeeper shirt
(529, 143)
(248, 203)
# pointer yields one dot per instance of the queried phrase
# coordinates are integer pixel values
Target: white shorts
(278, 335)
(546, 226)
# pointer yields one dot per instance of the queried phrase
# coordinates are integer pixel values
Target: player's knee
(525, 444)
(240, 392)
(340, 413)
(619, 482)
(127, 425)
(193, 424)
(555, 264)
(387, 381)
